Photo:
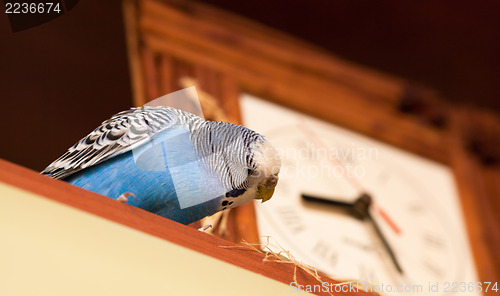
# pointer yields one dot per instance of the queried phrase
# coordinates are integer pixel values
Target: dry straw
(285, 257)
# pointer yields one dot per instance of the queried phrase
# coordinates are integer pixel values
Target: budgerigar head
(248, 165)
(264, 168)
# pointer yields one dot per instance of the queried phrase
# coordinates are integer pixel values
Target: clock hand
(351, 179)
(327, 201)
(360, 209)
(386, 218)
(362, 205)
(385, 243)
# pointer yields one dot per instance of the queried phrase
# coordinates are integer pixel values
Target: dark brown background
(61, 79)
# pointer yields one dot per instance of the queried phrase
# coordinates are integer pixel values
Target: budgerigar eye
(249, 171)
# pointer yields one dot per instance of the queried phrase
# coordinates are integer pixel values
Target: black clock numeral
(383, 178)
(431, 267)
(434, 240)
(416, 208)
(291, 219)
(366, 275)
(324, 250)
(363, 246)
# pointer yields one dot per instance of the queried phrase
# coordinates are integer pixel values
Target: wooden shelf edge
(141, 220)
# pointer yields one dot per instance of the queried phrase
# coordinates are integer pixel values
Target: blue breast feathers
(167, 175)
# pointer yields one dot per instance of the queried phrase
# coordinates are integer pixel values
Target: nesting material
(285, 257)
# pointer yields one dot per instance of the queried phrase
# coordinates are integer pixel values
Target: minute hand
(385, 242)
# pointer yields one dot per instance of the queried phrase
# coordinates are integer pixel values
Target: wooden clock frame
(228, 55)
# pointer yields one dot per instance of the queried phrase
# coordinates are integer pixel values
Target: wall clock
(228, 55)
(419, 235)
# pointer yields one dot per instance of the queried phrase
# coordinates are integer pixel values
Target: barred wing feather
(123, 132)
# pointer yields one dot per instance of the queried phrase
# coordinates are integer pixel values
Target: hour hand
(326, 201)
(358, 208)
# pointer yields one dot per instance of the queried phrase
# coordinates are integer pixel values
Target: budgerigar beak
(264, 193)
(265, 189)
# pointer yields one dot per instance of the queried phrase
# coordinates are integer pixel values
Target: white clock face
(414, 205)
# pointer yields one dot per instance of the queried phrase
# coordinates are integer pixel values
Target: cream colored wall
(47, 248)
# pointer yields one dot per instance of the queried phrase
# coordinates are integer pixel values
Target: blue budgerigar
(172, 163)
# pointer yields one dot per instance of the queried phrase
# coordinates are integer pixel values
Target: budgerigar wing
(123, 132)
